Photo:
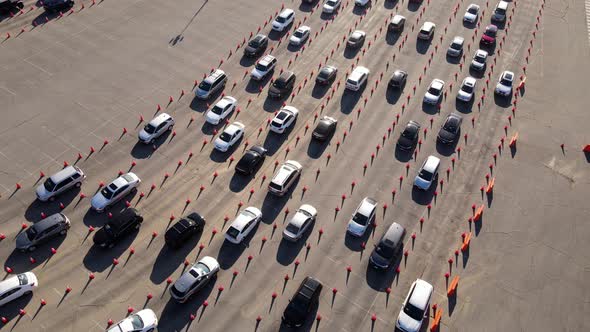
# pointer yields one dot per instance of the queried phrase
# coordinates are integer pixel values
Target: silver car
(156, 128)
(115, 191)
(300, 223)
(42, 231)
(60, 182)
(194, 279)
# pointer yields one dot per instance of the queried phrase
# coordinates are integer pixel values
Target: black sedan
(409, 137)
(451, 129)
(184, 229)
(251, 160)
(114, 230)
(256, 46)
(325, 128)
(398, 80)
(326, 75)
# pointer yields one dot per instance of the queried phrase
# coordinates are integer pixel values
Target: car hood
(250, 49)
(211, 263)
(42, 192)
(487, 38)
(355, 228)
(445, 135)
(22, 241)
(421, 183)
(464, 95)
(100, 237)
(99, 201)
(469, 17)
(407, 323)
(430, 97)
(328, 7)
(212, 117)
(148, 316)
(143, 135)
(201, 93)
(219, 143)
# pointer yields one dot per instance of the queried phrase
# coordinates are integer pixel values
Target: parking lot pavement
(93, 78)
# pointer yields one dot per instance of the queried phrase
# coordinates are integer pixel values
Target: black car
(55, 5)
(451, 129)
(283, 85)
(10, 5)
(326, 75)
(251, 160)
(325, 128)
(256, 46)
(409, 137)
(389, 247)
(398, 80)
(114, 230)
(184, 229)
(302, 303)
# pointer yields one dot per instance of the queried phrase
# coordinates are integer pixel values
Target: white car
(415, 307)
(194, 279)
(435, 91)
(19, 285)
(467, 89)
(300, 223)
(479, 60)
(284, 119)
(263, 67)
(471, 14)
(115, 191)
(456, 47)
(142, 321)
(331, 6)
(229, 136)
(300, 35)
(221, 110)
(244, 223)
(361, 3)
(362, 217)
(427, 31)
(504, 86)
(357, 78)
(155, 128)
(285, 18)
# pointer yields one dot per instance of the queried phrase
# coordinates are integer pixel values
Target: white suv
(285, 177)
(263, 67)
(282, 21)
(415, 306)
(243, 225)
(504, 86)
(17, 286)
(155, 128)
(284, 119)
(221, 110)
(230, 136)
(357, 78)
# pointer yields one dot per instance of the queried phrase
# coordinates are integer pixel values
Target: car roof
(223, 102)
(283, 173)
(266, 60)
(469, 81)
(421, 294)
(357, 72)
(397, 18)
(124, 217)
(481, 53)
(234, 127)
(458, 40)
(508, 75)
(48, 222)
(241, 220)
(286, 12)
(214, 76)
(431, 163)
(428, 26)
(159, 119)
(285, 75)
(9, 283)
(437, 84)
(357, 33)
(367, 205)
(259, 37)
(64, 173)
(303, 28)
(393, 235)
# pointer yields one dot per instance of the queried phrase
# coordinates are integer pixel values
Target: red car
(489, 36)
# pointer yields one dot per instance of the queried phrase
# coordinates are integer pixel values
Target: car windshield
(456, 46)
(360, 219)
(292, 229)
(233, 232)
(107, 192)
(331, 3)
(279, 84)
(225, 137)
(325, 73)
(425, 175)
(433, 91)
(262, 67)
(49, 184)
(424, 32)
(413, 312)
(490, 33)
(281, 19)
(202, 268)
(472, 10)
(298, 34)
(480, 58)
(500, 11)
(355, 37)
(275, 186)
(384, 251)
(136, 322)
(31, 233)
(254, 43)
(467, 88)
(408, 133)
(205, 86)
(22, 279)
(217, 110)
(506, 82)
(450, 126)
(149, 129)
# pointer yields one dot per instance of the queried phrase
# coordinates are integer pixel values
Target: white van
(500, 11)
(415, 307)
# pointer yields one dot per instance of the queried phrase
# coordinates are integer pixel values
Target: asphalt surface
(74, 82)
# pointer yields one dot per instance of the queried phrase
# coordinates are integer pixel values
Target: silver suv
(66, 179)
(42, 231)
(285, 177)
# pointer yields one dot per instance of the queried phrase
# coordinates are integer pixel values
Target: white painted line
(587, 5)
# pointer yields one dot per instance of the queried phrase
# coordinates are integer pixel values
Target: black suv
(184, 229)
(409, 137)
(114, 230)
(251, 160)
(302, 303)
(10, 5)
(55, 5)
(256, 46)
(282, 85)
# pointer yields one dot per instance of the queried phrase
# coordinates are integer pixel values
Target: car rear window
(275, 186)
(22, 279)
(233, 232)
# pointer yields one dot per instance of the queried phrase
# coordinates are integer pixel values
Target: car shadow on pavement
(389, 4)
(288, 251)
(454, 60)
(349, 99)
(354, 243)
(380, 280)
(46, 17)
(21, 262)
(273, 142)
(201, 106)
(273, 105)
(253, 86)
(176, 316)
(238, 182)
(246, 61)
(393, 95)
(392, 37)
(34, 210)
(209, 129)
(403, 156)
(424, 197)
(96, 219)
(463, 106)
(272, 206)
(168, 260)
(276, 35)
(143, 151)
(503, 102)
(12, 311)
(221, 157)
(414, 6)
(229, 252)
(99, 259)
(316, 148)
(319, 90)
(431, 109)
(447, 149)
(422, 45)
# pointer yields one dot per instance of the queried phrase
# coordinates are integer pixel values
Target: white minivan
(415, 307)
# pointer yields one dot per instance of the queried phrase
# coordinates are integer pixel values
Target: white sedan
(14, 287)
(331, 6)
(504, 86)
(243, 225)
(300, 35)
(115, 191)
(221, 110)
(434, 92)
(471, 13)
(229, 136)
(467, 89)
(143, 321)
(284, 119)
(301, 221)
